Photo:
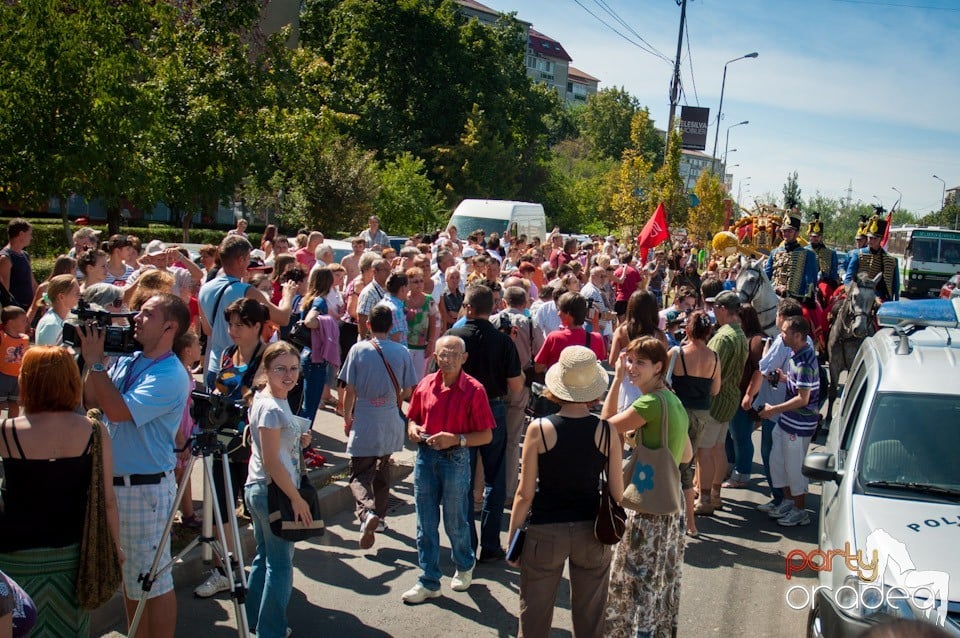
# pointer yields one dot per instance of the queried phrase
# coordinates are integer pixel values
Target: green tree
(606, 122)
(791, 193)
(576, 193)
(407, 202)
(668, 185)
(634, 189)
(71, 108)
(706, 218)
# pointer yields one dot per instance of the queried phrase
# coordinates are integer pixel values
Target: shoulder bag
(611, 517)
(393, 380)
(652, 477)
(283, 522)
(98, 574)
(530, 374)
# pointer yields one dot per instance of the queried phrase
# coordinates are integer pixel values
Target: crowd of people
(441, 340)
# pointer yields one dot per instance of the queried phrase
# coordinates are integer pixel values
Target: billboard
(694, 122)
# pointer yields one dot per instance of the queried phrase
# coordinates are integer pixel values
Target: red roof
(546, 45)
(575, 73)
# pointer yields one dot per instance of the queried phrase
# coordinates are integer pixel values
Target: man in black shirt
(493, 361)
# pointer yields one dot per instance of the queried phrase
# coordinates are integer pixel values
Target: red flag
(654, 233)
(886, 231)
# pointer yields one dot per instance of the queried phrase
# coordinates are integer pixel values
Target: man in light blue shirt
(143, 398)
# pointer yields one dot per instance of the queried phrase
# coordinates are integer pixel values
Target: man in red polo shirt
(449, 413)
(626, 279)
(572, 307)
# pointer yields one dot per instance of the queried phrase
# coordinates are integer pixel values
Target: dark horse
(854, 323)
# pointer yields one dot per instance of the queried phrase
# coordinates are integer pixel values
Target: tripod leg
(233, 568)
(148, 579)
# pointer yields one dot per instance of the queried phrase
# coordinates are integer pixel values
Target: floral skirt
(644, 597)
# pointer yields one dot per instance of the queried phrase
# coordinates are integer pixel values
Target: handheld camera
(118, 340)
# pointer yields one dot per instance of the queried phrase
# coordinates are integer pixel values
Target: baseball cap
(468, 252)
(673, 317)
(156, 247)
(727, 299)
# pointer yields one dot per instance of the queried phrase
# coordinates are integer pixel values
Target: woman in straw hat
(644, 596)
(566, 452)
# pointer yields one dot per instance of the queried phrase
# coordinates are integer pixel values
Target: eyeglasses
(449, 356)
(283, 371)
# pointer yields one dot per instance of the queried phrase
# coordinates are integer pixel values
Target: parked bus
(928, 258)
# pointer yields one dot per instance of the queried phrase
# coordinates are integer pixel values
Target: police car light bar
(920, 313)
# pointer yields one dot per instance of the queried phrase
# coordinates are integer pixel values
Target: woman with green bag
(644, 595)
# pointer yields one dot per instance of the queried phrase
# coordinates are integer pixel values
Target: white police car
(889, 544)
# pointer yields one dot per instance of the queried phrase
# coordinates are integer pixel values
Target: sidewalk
(335, 497)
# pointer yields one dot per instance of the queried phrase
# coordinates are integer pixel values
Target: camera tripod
(205, 446)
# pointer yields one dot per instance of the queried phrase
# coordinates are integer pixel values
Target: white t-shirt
(270, 412)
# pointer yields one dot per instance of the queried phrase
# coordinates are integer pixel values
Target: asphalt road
(733, 582)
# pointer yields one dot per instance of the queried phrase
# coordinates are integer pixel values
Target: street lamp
(723, 85)
(739, 187)
(898, 193)
(727, 144)
(943, 195)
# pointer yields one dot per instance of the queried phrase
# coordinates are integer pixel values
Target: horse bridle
(752, 295)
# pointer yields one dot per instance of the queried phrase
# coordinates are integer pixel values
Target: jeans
(766, 444)
(493, 457)
(271, 572)
(741, 429)
(441, 478)
(314, 378)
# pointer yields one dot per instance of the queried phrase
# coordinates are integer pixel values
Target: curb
(335, 497)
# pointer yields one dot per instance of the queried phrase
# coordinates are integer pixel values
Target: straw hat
(577, 377)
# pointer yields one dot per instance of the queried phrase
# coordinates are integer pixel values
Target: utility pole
(675, 83)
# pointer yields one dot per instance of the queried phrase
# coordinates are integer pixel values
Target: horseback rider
(827, 261)
(792, 268)
(861, 237)
(874, 260)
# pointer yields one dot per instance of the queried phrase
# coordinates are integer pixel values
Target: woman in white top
(63, 292)
(276, 441)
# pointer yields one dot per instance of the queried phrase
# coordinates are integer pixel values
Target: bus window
(924, 249)
(950, 251)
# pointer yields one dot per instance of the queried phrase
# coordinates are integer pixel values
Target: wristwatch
(97, 367)
(463, 440)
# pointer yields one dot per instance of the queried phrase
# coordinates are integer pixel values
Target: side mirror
(821, 466)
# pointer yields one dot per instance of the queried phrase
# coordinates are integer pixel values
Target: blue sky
(843, 90)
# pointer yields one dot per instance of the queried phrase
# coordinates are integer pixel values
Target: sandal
(703, 508)
(193, 521)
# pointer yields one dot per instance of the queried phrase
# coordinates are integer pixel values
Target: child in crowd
(13, 343)
(187, 349)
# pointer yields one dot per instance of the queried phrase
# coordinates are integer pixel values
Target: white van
(497, 216)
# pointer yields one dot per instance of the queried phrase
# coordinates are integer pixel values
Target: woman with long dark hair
(314, 368)
(739, 445)
(641, 320)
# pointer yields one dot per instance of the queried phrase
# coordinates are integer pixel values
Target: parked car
(890, 505)
(948, 288)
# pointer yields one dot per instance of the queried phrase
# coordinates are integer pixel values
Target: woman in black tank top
(695, 393)
(47, 460)
(557, 499)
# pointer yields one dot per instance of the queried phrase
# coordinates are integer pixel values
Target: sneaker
(418, 593)
(461, 580)
(781, 510)
(795, 517)
(768, 506)
(213, 585)
(382, 527)
(368, 529)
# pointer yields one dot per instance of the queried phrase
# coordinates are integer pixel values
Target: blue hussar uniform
(874, 260)
(791, 266)
(861, 240)
(828, 265)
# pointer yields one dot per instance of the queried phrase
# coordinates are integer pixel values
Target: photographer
(142, 398)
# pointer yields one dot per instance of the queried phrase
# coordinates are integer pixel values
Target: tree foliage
(407, 201)
(634, 190)
(668, 185)
(791, 193)
(706, 218)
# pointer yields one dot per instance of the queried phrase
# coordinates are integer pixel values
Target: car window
(853, 396)
(899, 447)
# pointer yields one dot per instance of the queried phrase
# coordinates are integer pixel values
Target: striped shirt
(803, 372)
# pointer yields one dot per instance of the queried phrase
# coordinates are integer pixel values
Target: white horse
(754, 288)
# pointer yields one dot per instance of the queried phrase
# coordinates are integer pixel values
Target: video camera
(215, 412)
(117, 341)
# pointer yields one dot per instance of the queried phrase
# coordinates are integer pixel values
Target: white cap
(156, 247)
(468, 252)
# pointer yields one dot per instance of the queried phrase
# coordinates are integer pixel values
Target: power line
(606, 7)
(611, 28)
(686, 28)
(898, 5)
